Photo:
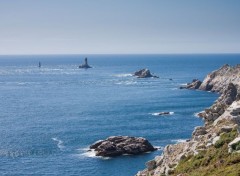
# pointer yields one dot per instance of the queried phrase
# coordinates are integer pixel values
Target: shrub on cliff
(216, 160)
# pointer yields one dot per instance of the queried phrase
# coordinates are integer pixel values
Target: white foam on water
(126, 83)
(184, 84)
(59, 143)
(21, 83)
(197, 114)
(90, 153)
(123, 75)
(159, 147)
(157, 114)
(127, 154)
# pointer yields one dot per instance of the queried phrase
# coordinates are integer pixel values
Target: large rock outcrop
(120, 145)
(221, 119)
(220, 79)
(144, 73)
(225, 81)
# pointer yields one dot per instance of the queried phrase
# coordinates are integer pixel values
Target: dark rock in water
(164, 113)
(96, 144)
(195, 84)
(85, 65)
(144, 73)
(119, 145)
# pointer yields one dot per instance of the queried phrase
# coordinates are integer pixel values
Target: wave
(123, 75)
(184, 84)
(126, 83)
(159, 147)
(90, 153)
(197, 114)
(59, 143)
(159, 114)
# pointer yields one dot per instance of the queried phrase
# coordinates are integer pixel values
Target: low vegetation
(215, 161)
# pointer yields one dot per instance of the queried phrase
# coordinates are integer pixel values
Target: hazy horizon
(60, 27)
(89, 54)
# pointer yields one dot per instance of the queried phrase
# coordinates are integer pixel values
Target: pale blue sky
(119, 26)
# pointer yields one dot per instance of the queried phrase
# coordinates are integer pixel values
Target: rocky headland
(144, 73)
(121, 145)
(214, 149)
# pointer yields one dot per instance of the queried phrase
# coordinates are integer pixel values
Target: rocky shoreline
(220, 132)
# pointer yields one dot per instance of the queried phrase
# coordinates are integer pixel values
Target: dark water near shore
(50, 115)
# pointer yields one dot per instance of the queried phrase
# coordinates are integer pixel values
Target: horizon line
(225, 53)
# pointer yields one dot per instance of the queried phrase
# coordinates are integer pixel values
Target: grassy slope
(215, 161)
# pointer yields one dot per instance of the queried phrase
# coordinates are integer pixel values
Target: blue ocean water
(50, 115)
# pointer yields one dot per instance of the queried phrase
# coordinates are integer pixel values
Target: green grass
(236, 146)
(226, 138)
(215, 161)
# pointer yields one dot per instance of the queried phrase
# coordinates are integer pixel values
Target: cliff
(214, 149)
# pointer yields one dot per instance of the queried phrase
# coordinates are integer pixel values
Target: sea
(49, 116)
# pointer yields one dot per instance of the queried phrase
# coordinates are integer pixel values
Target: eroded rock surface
(120, 145)
(225, 81)
(195, 84)
(144, 73)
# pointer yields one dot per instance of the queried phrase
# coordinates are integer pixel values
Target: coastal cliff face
(214, 149)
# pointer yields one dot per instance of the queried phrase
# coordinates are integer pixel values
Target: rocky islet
(121, 145)
(144, 73)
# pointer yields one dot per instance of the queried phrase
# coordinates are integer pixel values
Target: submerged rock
(144, 73)
(119, 145)
(163, 113)
(85, 65)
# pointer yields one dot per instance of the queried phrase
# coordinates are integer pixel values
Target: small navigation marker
(39, 64)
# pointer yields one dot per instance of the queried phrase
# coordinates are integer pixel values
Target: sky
(119, 26)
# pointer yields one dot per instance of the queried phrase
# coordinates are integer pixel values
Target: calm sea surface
(50, 115)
